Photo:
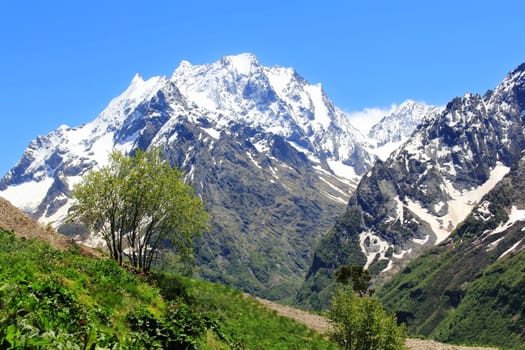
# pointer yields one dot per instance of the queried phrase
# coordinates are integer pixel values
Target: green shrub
(362, 323)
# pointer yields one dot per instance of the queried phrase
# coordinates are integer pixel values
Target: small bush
(362, 324)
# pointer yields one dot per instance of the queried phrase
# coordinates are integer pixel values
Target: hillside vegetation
(63, 299)
(444, 295)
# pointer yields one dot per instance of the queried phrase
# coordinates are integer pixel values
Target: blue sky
(61, 62)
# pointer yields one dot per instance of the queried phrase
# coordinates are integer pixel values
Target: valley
(322, 325)
(430, 200)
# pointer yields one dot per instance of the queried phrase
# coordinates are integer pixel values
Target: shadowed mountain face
(265, 208)
(429, 185)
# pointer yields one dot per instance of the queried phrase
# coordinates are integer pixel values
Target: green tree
(359, 277)
(362, 323)
(140, 205)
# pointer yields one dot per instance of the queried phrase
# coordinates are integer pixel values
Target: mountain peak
(409, 104)
(137, 79)
(137, 91)
(184, 64)
(242, 63)
(240, 90)
(397, 125)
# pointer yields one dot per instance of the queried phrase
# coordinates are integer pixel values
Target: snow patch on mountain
(321, 115)
(372, 245)
(243, 63)
(28, 195)
(61, 215)
(281, 79)
(516, 215)
(459, 206)
(215, 134)
(343, 170)
(421, 241)
(511, 249)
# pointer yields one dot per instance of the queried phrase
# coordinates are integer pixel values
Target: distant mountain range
(271, 155)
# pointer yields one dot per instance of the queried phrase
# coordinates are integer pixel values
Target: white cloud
(368, 117)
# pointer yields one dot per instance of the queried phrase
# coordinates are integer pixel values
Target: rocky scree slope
(13, 219)
(429, 185)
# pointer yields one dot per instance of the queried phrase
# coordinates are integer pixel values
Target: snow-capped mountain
(276, 99)
(396, 127)
(425, 188)
(271, 155)
(41, 181)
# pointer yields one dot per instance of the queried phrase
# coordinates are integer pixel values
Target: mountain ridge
(273, 157)
(426, 187)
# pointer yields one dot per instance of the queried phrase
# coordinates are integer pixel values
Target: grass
(62, 299)
(248, 324)
(76, 300)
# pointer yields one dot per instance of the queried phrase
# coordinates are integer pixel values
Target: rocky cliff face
(470, 288)
(418, 196)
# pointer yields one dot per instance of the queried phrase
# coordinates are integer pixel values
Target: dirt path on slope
(420, 344)
(322, 325)
(315, 322)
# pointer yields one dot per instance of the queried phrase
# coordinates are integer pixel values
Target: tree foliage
(362, 323)
(358, 276)
(140, 204)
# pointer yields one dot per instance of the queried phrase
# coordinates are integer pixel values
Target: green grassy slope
(63, 299)
(462, 294)
(493, 308)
